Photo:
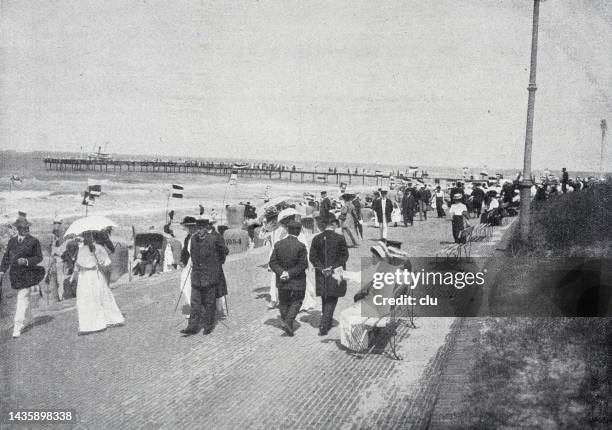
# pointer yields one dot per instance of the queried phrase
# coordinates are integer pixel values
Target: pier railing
(216, 169)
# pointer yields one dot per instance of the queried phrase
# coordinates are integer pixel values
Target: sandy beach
(139, 200)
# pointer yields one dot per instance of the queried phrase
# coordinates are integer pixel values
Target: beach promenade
(245, 375)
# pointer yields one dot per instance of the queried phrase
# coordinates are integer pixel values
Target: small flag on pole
(233, 178)
(177, 191)
(88, 199)
(94, 188)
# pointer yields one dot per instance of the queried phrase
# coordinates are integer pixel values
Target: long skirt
(439, 208)
(310, 298)
(457, 228)
(349, 230)
(353, 332)
(168, 259)
(96, 306)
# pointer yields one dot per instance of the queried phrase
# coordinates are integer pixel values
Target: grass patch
(542, 373)
(552, 373)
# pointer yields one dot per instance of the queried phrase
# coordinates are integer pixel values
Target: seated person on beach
(147, 256)
(384, 258)
(152, 257)
(493, 215)
(139, 266)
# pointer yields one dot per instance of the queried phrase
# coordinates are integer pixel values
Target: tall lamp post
(604, 128)
(526, 183)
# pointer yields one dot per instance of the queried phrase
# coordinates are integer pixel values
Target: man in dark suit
(329, 254)
(383, 208)
(564, 180)
(324, 206)
(208, 252)
(289, 261)
(22, 255)
(478, 196)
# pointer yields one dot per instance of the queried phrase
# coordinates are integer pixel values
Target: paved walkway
(246, 375)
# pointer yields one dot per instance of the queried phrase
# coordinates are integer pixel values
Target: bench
(457, 250)
(381, 332)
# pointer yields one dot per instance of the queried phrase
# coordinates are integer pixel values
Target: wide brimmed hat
(188, 220)
(202, 222)
(389, 250)
(384, 190)
(286, 213)
(22, 222)
(457, 196)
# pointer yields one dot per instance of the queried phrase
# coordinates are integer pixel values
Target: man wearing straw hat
(22, 255)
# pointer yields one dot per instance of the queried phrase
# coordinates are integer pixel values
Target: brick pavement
(246, 375)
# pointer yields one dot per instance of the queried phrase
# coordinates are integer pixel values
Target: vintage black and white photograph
(305, 214)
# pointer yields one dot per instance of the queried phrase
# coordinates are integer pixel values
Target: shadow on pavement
(42, 320)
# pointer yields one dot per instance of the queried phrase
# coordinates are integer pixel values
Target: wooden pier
(215, 169)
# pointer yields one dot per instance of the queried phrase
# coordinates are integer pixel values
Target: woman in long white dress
(96, 306)
(168, 255)
(272, 232)
(310, 298)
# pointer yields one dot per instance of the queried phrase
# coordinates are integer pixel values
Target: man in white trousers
(383, 208)
(22, 255)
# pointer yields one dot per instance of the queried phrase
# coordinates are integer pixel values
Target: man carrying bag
(22, 255)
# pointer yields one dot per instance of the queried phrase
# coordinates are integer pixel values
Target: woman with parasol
(96, 306)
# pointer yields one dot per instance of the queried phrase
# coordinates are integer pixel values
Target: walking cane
(182, 288)
(226, 307)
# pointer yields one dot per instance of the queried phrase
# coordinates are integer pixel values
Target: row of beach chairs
(473, 233)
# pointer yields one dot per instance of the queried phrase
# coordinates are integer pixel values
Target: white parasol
(93, 222)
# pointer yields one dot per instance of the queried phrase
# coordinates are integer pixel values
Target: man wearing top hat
(383, 208)
(208, 252)
(289, 261)
(22, 255)
(329, 254)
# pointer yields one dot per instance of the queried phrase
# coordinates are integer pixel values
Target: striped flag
(94, 188)
(177, 191)
(88, 199)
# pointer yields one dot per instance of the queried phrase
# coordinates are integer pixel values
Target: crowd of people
(305, 262)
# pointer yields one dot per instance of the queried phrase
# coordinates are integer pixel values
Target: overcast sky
(417, 82)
